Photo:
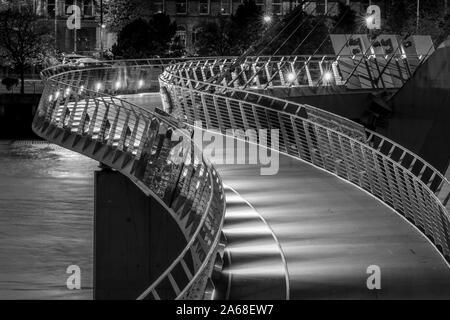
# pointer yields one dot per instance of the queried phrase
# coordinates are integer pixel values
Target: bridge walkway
(330, 232)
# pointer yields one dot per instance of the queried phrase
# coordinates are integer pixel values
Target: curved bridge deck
(330, 232)
(323, 233)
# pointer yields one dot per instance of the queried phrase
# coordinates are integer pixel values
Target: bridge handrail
(436, 180)
(331, 120)
(360, 161)
(264, 72)
(202, 176)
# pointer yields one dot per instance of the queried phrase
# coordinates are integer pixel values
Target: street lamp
(291, 76)
(369, 20)
(267, 18)
(327, 76)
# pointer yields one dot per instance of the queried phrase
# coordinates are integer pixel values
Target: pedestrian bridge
(345, 198)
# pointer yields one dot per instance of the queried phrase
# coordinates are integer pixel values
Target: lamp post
(417, 16)
(102, 27)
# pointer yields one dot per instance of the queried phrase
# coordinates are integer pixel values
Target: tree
(142, 38)
(24, 40)
(213, 39)
(402, 18)
(444, 26)
(119, 13)
(233, 35)
(345, 21)
(245, 28)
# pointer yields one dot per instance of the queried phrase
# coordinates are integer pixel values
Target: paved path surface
(330, 232)
(252, 249)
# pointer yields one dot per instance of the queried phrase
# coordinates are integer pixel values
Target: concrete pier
(135, 239)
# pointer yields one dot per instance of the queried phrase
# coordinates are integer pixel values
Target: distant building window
(158, 7)
(288, 6)
(277, 7)
(204, 7)
(51, 8)
(181, 6)
(309, 7)
(261, 5)
(181, 35)
(88, 8)
(225, 6)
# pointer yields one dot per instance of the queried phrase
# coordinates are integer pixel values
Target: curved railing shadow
(78, 111)
(391, 173)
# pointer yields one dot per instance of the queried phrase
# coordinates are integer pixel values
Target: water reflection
(46, 221)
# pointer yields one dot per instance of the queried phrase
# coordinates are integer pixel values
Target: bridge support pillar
(135, 239)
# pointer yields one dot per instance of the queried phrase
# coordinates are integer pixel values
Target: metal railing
(151, 148)
(398, 177)
(355, 72)
(371, 71)
(79, 110)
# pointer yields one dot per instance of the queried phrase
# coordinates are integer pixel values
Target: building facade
(56, 13)
(189, 14)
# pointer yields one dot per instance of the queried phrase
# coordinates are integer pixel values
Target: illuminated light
(140, 83)
(327, 76)
(239, 214)
(57, 95)
(98, 86)
(50, 98)
(247, 230)
(262, 270)
(370, 20)
(81, 89)
(197, 185)
(118, 84)
(267, 18)
(420, 57)
(291, 76)
(103, 26)
(261, 247)
(386, 57)
(67, 91)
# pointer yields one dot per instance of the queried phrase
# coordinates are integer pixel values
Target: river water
(46, 220)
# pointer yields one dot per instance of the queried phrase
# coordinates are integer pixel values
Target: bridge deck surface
(330, 232)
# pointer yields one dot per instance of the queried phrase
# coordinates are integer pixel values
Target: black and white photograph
(228, 154)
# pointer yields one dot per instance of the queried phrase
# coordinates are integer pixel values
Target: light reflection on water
(46, 221)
